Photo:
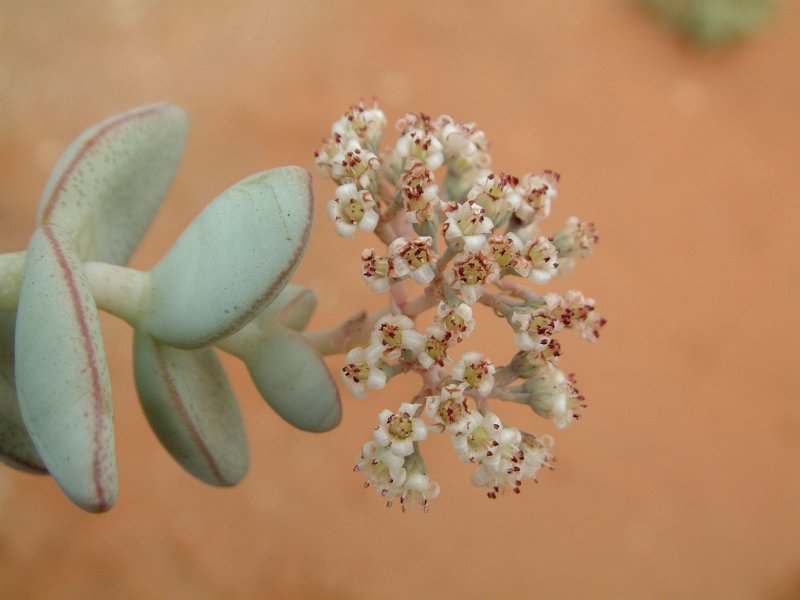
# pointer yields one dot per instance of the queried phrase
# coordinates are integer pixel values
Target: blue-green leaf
(292, 308)
(108, 185)
(61, 373)
(191, 407)
(232, 260)
(292, 377)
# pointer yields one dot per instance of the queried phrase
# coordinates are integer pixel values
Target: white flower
(417, 489)
(361, 370)
(538, 193)
(543, 257)
(467, 222)
(531, 360)
(476, 371)
(362, 123)
(351, 209)
(355, 165)
(506, 251)
(553, 395)
(457, 321)
(435, 348)
(415, 258)
(470, 272)
(450, 410)
(375, 271)
(497, 194)
(577, 312)
(395, 476)
(465, 146)
(534, 327)
(419, 193)
(474, 444)
(383, 469)
(398, 431)
(418, 141)
(395, 333)
(536, 454)
(576, 239)
(330, 152)
(501, 468)
(583, 317)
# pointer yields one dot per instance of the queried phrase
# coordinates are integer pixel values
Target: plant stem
(118, 290)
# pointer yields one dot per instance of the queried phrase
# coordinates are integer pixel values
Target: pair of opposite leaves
(228, 270)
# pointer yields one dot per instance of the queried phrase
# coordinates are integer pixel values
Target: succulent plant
(224, 283)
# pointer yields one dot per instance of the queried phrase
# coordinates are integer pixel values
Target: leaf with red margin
(61, 373)
(108, 185)
(232, 260)
(190, 405)
(292, 308)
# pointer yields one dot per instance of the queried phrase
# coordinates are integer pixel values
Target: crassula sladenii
(223, 284)
(462, 235)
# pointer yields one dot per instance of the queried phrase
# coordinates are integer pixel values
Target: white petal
(379, 285)
(524, 341)
(423, 275)
(377, 379)
(413, 341)
(425, 360)
(418, 482)
(333, 210)
(373, 354)
(345, 229)
(419, 429)
(402, 447)
(473, 243)
(472, 293)
(486, 386)
(540, 277)
(369, 220)
(382, 437)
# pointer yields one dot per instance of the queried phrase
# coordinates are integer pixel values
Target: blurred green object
(714, 22)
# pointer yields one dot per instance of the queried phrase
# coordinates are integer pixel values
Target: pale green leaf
(292, 308)
(191, 407)
(232, 260)
(61, 373)
(292, 377)
(108, 185)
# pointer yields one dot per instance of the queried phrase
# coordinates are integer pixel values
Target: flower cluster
(467, 235)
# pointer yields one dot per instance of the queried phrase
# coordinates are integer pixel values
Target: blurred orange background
(681, 480)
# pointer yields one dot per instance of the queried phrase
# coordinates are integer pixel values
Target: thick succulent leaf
(293, 379)
(12, 266)
(61, 373)
(232, 260)
(16, 448)
(191, 407)
(292, 308)
(108, 185)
